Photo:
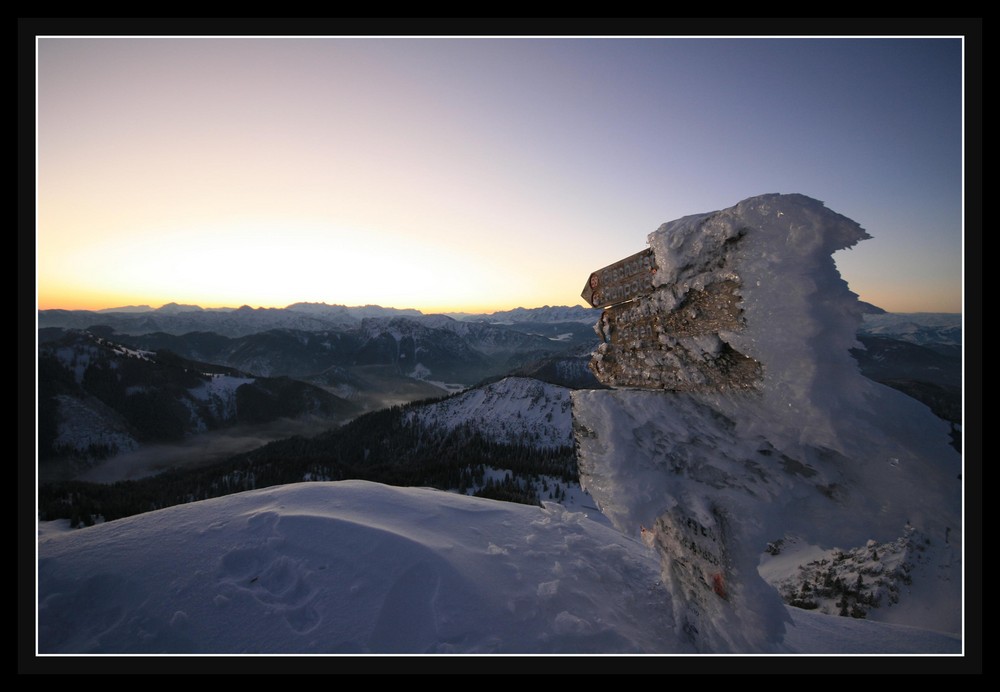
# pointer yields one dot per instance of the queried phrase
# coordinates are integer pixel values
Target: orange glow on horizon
(97, 301)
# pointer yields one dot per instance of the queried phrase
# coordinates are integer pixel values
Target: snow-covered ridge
(923, 329)
(90, 429)
(545, 314)
(219, 393)
(513, 410)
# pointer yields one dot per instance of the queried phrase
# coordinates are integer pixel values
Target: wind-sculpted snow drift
(794, 442)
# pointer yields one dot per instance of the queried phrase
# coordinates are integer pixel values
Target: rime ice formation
(792, 441)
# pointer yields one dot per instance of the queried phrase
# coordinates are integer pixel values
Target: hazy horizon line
(144, 307)
(221, 308)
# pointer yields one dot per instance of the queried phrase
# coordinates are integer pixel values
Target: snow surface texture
(349, 567)
(814, 450)
(355, 567)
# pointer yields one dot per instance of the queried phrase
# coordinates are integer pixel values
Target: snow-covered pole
(737, 412)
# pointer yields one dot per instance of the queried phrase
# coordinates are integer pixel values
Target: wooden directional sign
(624, 280)
(649, 342)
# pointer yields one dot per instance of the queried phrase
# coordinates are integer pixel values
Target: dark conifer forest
(382, 446)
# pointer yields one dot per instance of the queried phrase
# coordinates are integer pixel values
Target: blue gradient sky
(475, 174)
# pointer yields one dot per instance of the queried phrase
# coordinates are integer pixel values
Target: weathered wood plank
(624, 280)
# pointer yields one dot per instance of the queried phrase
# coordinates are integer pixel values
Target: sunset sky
(475, 174)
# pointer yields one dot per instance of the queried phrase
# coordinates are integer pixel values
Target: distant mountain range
(173, 318)
(354, 352)
(941, 332)
(105, 391)
(98, 398)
